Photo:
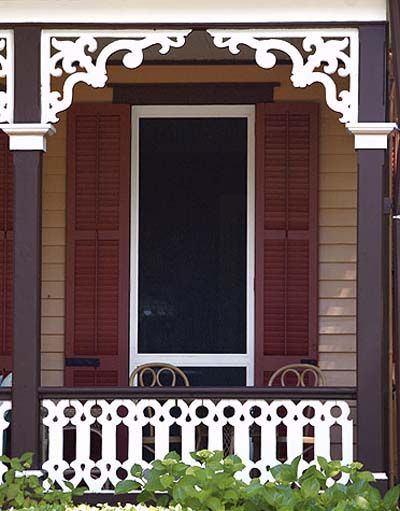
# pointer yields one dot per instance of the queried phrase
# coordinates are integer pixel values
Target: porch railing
(5, 424)
(94, 436)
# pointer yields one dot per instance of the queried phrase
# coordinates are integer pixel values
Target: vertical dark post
(27, 251)
(372, 260)
(395, 43)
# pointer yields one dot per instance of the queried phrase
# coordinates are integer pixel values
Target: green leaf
(173, 455)
(179, 493)
(69, 485)
(136, 470)
(126, 486)
(284, 474)
(362, 502)
(366, 476)
(310, 488)
(231, 495)
(169, 462)
(27, 457)
(166, 480)
(391, 498)
(323, 463)
(16, 464)
(215, 504)
(163, 500)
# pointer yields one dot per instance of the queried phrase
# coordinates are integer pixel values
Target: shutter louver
(98, 245)
(286, 236)
(6, 254)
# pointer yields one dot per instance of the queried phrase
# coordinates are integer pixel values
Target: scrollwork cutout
(324, 54)
(78, 55)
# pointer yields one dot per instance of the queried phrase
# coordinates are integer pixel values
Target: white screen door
(192, 241)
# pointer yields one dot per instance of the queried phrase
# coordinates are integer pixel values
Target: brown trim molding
(194, 94)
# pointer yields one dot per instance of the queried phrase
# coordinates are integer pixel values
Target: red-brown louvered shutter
(286, 236)
(97, 245)
(6, 254)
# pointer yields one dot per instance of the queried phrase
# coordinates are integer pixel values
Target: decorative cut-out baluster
(211, 416)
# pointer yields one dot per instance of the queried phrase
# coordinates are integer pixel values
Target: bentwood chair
(298, 375)
(158, 375)
(162, 375)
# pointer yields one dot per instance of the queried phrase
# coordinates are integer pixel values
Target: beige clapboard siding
(53, 244)
(337, 289)
(337, 242)
(53, 258)
(337, 217)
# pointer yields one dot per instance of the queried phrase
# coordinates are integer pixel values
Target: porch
(346, 260)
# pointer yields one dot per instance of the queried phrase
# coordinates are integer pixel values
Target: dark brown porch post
(27, 251)
(372, 260)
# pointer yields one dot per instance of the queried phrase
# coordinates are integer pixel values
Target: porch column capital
(28, 136)
(371, 135)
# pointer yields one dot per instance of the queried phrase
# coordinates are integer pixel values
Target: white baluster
(188, 428)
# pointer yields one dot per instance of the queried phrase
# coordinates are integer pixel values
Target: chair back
(149, 375)
(301, 372)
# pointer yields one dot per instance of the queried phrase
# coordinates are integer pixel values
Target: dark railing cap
(296, 393)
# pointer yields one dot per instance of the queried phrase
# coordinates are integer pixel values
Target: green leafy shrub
(26, 491)
(107, 507)
(212, 486)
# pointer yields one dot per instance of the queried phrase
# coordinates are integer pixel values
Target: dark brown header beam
(194, 94)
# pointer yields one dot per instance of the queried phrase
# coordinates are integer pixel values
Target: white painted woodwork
(28, 137)
(101, 417)
(327, 52)
(5, 407)
(176, 11)
(75, 53)
(215, 360)
(371, 135)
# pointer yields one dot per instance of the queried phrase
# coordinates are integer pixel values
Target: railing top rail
(296, 393)
(5, 393)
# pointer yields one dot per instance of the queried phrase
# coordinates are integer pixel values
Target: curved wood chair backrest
(300, 371)
(154, 371)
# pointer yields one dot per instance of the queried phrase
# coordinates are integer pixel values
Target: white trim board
(194, 359)
(177, 11)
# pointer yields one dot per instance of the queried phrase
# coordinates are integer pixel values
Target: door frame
(194, 359)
